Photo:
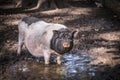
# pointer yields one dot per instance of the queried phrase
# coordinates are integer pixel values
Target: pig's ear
(75, 32)
(56, 32)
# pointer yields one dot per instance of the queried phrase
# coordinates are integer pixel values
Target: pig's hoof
(18, 54)
(59, 63)
(46, 65)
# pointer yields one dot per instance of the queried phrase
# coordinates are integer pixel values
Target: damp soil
(95, 55)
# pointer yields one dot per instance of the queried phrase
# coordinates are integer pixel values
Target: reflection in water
(77, 66)
(34, 71)
(74, 67)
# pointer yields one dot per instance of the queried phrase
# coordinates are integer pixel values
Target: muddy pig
(54, 38)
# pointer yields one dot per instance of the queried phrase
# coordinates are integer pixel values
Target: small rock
(96, 29)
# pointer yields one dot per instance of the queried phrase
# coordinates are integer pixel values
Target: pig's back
(30, 20)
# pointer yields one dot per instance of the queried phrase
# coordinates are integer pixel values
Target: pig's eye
(65, 36)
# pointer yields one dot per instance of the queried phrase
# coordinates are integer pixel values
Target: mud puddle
(75, 66)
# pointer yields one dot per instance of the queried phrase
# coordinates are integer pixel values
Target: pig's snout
(66, 45)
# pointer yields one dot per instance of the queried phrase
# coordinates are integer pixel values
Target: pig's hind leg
(21, 37)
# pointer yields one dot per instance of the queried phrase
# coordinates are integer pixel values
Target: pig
(43, 39)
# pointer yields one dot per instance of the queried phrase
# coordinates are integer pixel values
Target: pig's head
(62, 40)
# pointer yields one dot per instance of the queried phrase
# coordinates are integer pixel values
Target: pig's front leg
(58, 57)
(46, 54)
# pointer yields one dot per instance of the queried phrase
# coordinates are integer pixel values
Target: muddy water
(74, 67)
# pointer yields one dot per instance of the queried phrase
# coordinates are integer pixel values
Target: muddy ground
(95, 55)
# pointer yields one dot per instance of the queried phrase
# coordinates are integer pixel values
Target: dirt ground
(99, 34)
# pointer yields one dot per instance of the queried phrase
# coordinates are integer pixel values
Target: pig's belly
(32, 45)
(38, 52)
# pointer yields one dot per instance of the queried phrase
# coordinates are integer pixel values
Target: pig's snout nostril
(66, 45)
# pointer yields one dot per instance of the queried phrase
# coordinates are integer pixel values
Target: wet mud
(74, 67)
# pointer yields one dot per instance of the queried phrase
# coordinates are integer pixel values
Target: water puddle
(74, 67)
(78, 67)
